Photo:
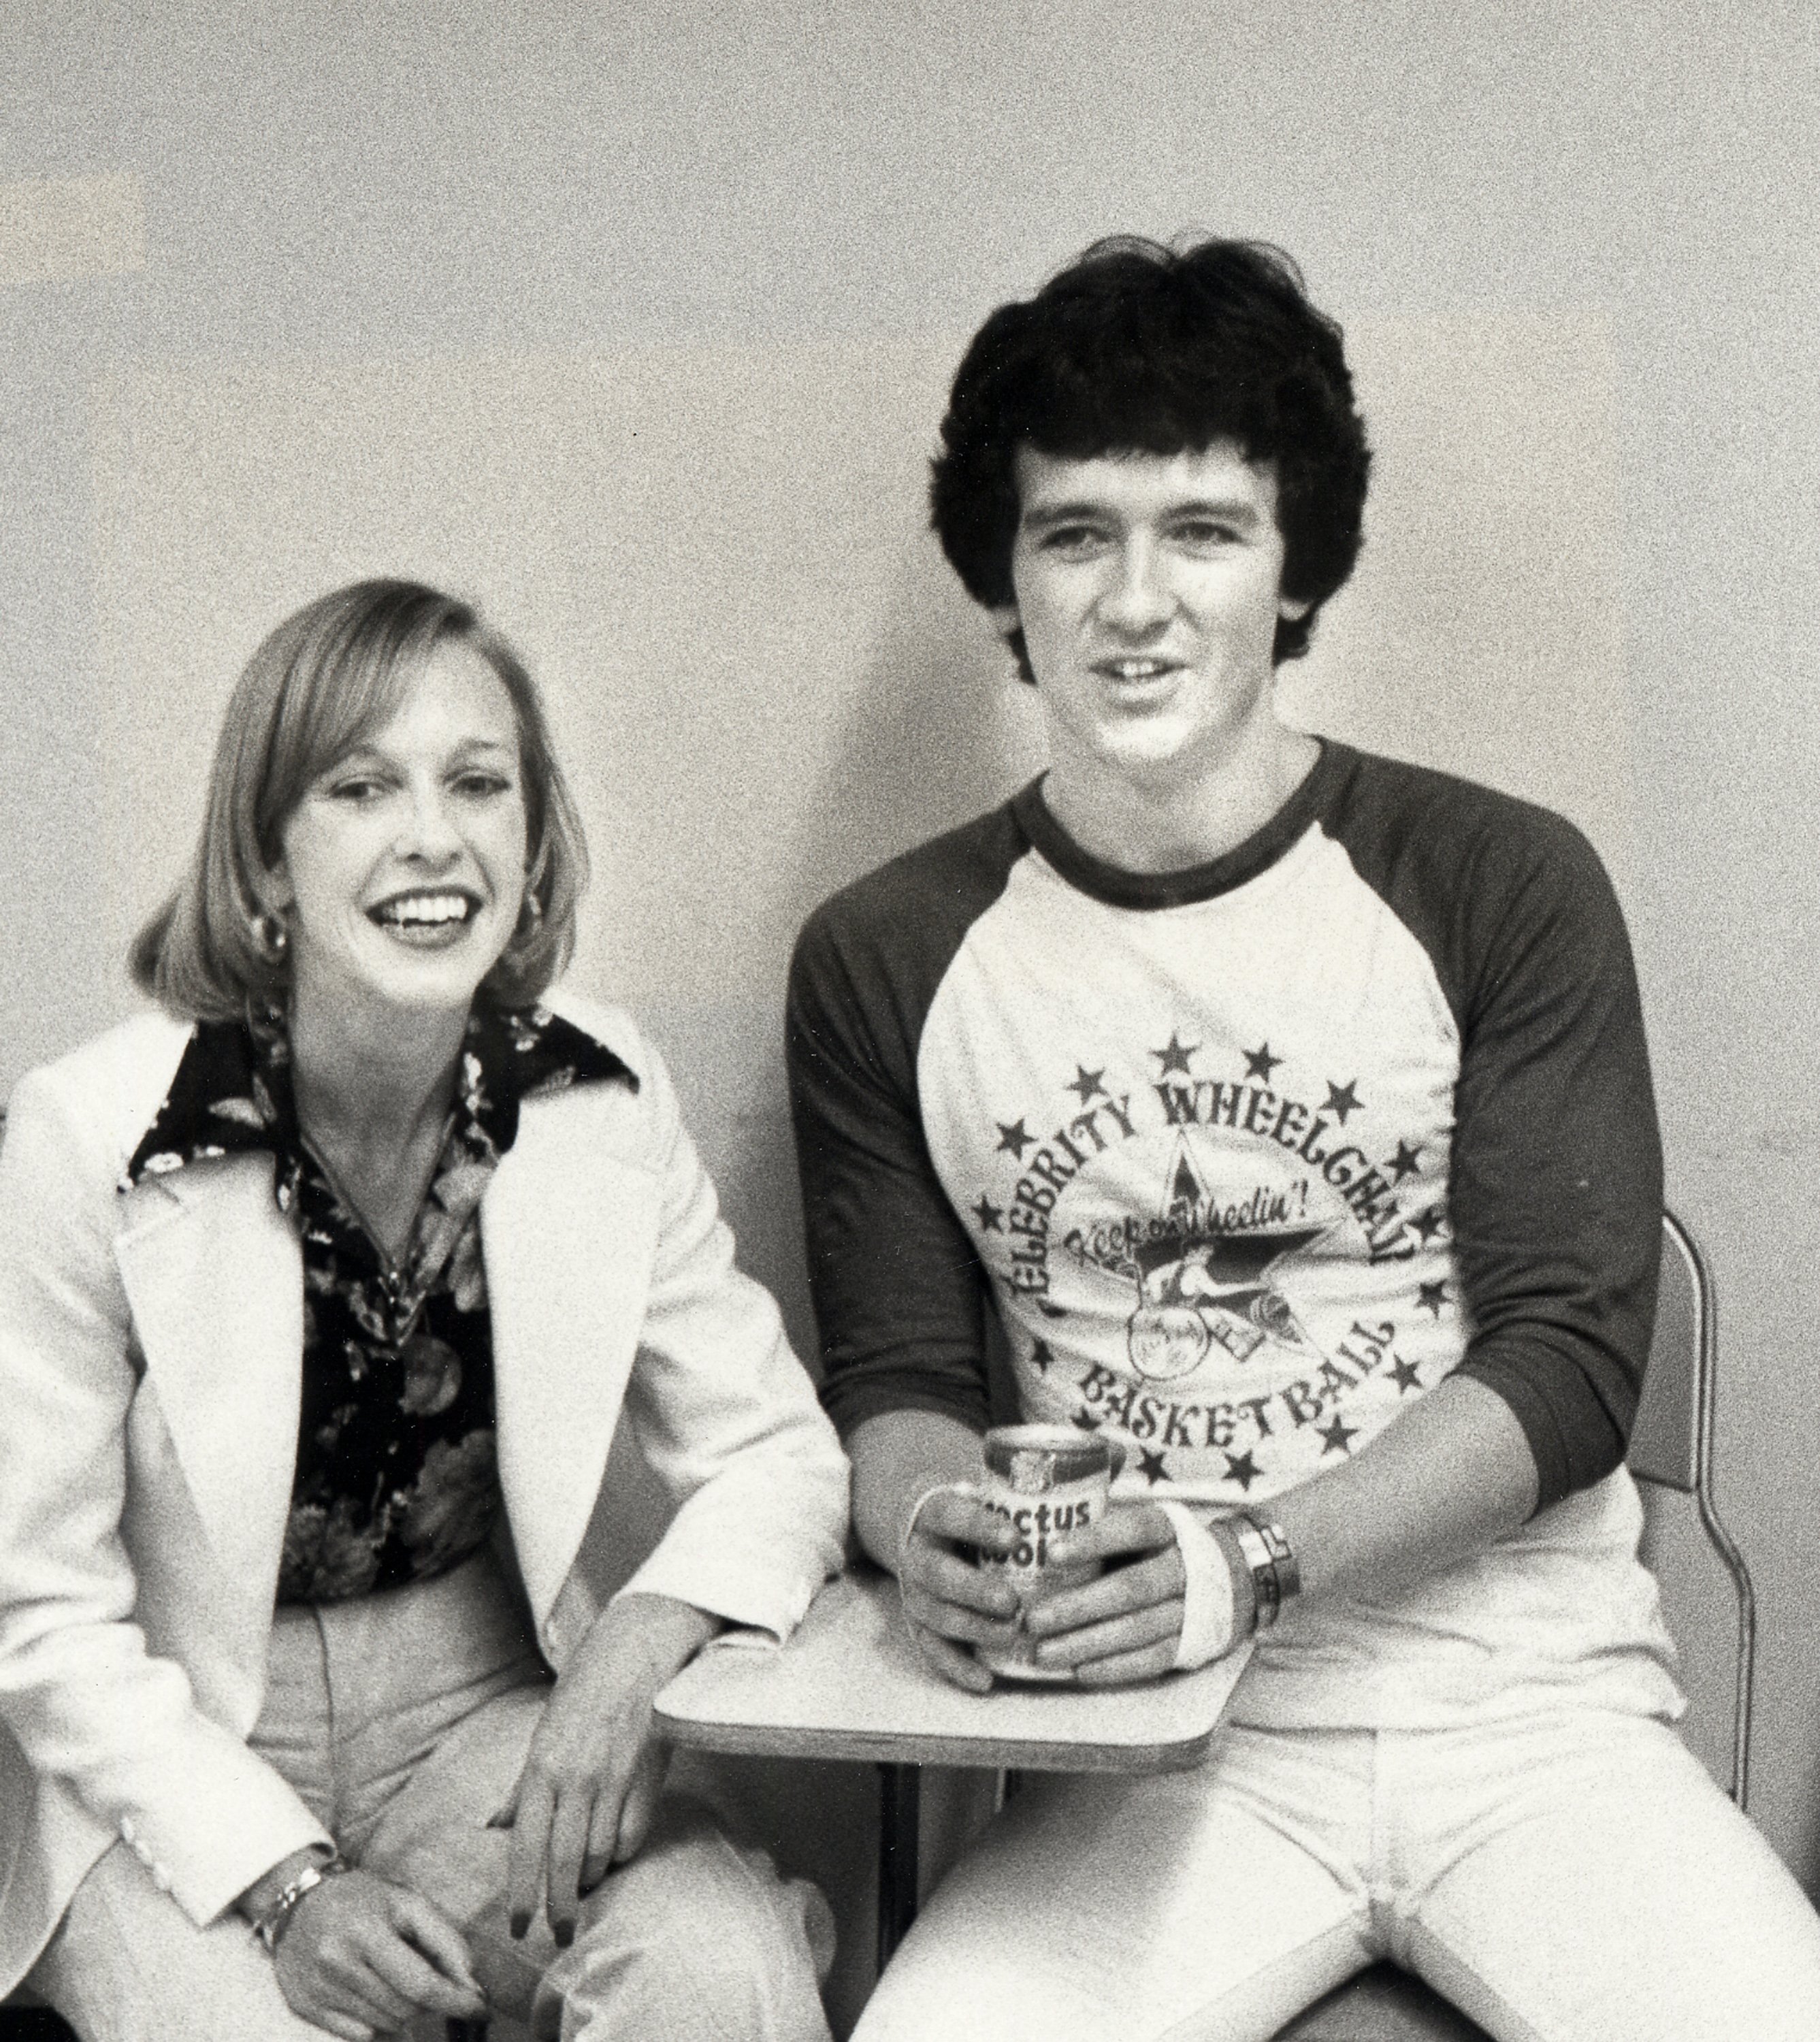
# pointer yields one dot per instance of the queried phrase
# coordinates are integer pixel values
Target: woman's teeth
(423, 909)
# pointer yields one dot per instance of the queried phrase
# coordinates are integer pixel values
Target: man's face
(1148, 588)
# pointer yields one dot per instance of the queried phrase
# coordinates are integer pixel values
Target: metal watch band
(1283, 1556)
(269, 1928)
(1265, 1594)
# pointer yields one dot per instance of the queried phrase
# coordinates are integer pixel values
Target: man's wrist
(1244, 1590)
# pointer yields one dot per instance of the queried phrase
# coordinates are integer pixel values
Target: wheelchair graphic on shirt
(1189, 1303)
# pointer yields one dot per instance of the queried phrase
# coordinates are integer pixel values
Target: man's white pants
(1571, 1877)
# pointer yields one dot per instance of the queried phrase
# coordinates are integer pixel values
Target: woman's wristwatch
(274, 1918)
(1275, 1574)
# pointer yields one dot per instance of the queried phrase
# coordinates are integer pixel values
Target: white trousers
(402, 1720)
(1571, 1878)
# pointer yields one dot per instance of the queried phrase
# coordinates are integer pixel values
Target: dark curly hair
(1138, 348)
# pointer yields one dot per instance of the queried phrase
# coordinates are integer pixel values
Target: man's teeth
(425, 907)
(1137, 670)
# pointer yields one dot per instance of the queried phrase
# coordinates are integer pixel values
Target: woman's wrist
(264, 1890)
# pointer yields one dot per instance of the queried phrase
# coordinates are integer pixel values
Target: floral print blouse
(395, 1478)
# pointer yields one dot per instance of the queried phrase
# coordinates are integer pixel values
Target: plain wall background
(636, 323)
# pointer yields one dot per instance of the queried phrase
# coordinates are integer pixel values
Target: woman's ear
(1292, 609)
(1005, 619)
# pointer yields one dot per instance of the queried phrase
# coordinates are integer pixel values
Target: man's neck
(1140, 824)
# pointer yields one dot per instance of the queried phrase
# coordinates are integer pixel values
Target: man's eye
(1070, 539)
(1205, 532)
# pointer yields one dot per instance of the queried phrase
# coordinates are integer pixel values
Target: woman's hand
(950, 1603)
(586, 1797)
(1125, 1625)
(359, 1956)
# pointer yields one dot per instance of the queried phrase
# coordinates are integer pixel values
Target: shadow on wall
(933, 735)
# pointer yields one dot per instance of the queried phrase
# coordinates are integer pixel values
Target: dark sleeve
(899, 1292)
(1557, 1178)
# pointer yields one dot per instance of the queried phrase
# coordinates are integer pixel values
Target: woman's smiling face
(401, 871)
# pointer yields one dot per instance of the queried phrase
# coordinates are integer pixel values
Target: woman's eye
(482, 786)
(358, 789)
(1205, 532)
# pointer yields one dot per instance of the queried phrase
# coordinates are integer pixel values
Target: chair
(1701, 1573)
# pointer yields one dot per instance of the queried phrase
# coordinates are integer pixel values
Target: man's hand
(359, 1956)
(1125, 1625)
(950, 1601)
(589, 1789)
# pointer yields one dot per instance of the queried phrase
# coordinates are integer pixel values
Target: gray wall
(635, 322)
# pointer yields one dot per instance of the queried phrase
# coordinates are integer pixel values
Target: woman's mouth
(430, 919)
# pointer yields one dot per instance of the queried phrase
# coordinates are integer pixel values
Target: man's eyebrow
(1224, 510)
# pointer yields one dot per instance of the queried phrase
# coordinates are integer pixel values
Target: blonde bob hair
(319, 686)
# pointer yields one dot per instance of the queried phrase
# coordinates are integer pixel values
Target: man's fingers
(960, 1627)
(1126, 1527)
(1135, 1631)
(1125, 1589)
(946, 1577)
(530, 1849)
(1123, 1668)
(958, 1515)
(953, 1664)
(343, 2025)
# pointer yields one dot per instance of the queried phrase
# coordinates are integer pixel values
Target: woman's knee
(699, 1937)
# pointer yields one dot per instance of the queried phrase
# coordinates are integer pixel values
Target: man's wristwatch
(1275, 1574)
(275, 1918)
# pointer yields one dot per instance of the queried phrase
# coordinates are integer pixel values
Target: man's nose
(1137, 597)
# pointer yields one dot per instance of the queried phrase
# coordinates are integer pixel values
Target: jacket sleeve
(725, 1412)
(98, 1716)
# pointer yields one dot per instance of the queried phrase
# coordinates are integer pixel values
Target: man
(1292, 1107)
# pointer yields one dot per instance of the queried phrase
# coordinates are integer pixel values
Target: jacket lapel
(213, 1275)
(568, 1230)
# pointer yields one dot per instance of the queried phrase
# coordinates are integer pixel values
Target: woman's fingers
(575, 1812)
(536, 1797)
(343, 2025)
(639, 1810)
(1123, 1668)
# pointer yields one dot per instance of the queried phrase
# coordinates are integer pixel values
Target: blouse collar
(232, 1092)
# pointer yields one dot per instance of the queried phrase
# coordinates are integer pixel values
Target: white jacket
(150, 1356)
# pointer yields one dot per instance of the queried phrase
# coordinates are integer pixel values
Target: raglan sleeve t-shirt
(1247, 1159)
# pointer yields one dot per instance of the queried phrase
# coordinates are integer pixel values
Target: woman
(320, 1294)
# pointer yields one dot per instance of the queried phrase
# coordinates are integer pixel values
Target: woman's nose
(428, 828)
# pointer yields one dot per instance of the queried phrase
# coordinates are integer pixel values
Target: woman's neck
(371, 1086)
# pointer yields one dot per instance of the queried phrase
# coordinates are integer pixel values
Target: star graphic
(1337, 1436)
(1175, 1057)
(1041, 1355)
(1086, 1421)
(1405, 1162)
(1016, 1138)
(991, 1216)
(1428, 1224)
(1243, 1470)
(1085, 1083)
(1150, 1465)
(1431, 1297)
(1260, 1063)
(1404, 1376)
(1341, 1099)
